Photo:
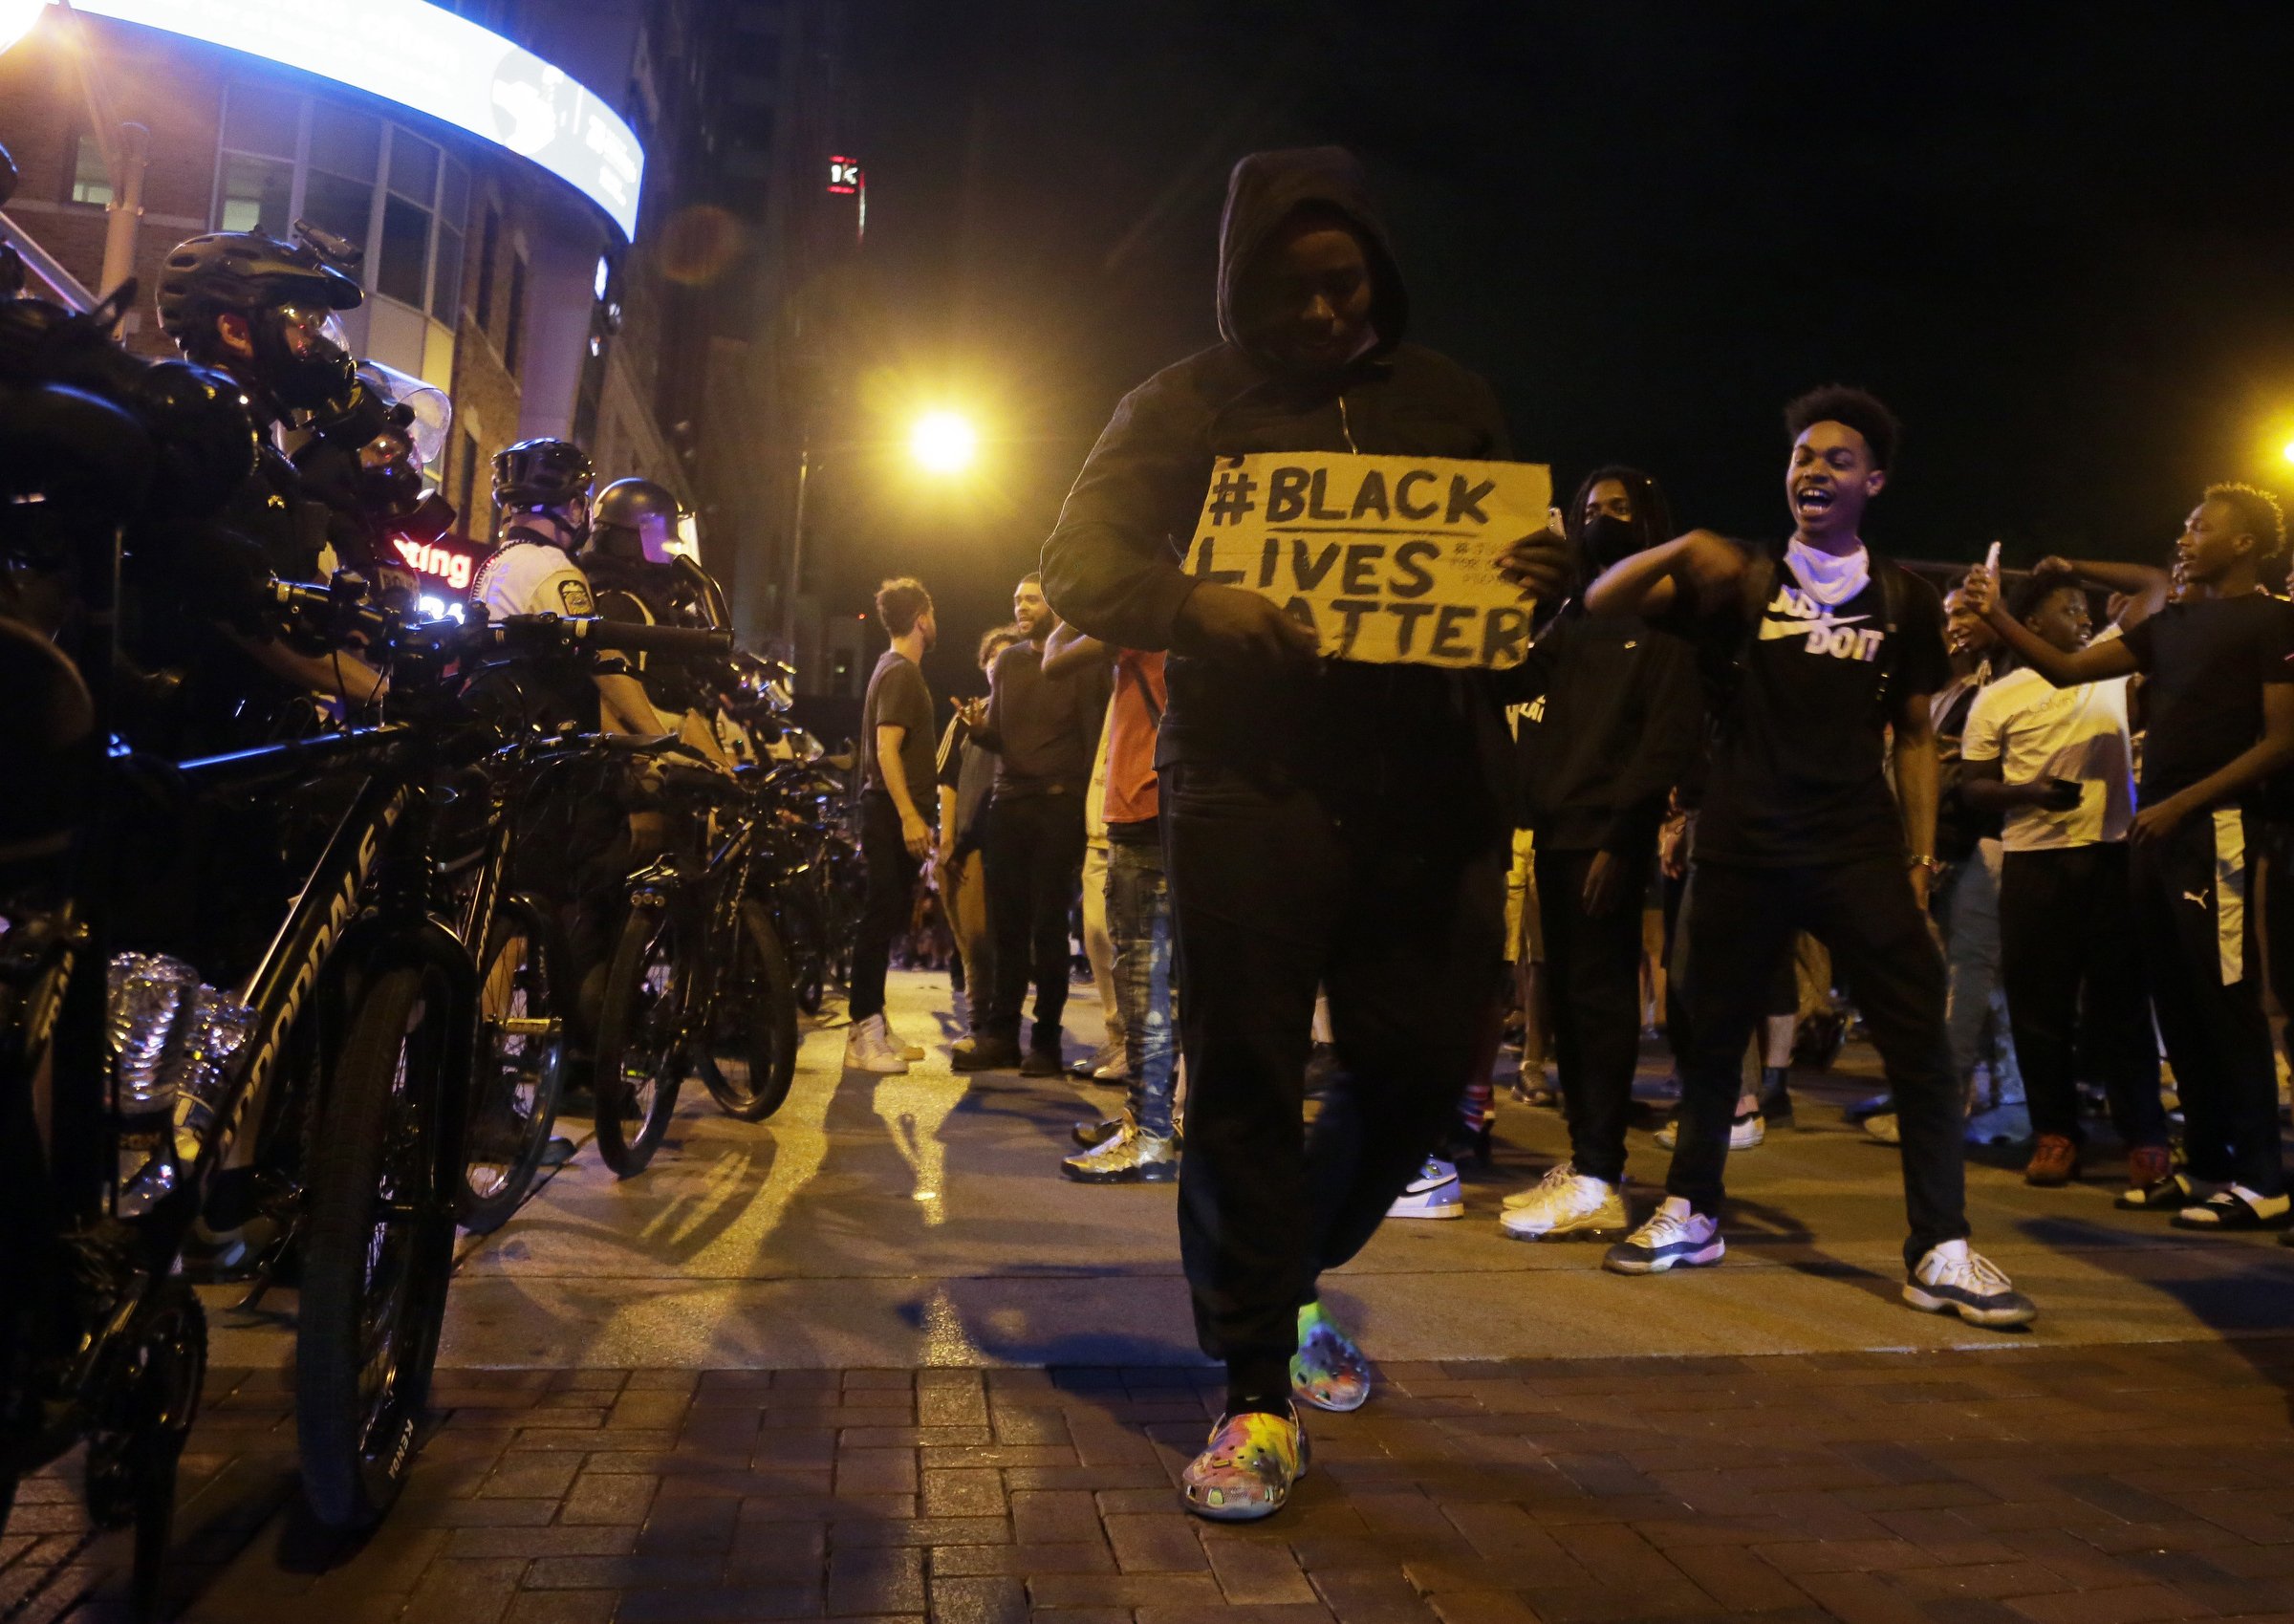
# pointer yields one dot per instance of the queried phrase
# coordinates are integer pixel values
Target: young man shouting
(2219, 702)
(1832, 648)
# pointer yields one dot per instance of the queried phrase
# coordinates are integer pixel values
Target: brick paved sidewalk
(2085, 1485)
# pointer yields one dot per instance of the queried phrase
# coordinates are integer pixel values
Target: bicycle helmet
(244, 271)
(541, 473)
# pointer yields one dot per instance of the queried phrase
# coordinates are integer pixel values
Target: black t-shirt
(1046, 729)
(898, 698)
(1798, 772)
(2206, 660)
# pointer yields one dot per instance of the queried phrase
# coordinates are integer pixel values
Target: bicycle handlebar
(343, 613)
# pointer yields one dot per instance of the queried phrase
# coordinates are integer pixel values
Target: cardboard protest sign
(1388, 559)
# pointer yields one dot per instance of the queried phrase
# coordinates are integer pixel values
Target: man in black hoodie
(1613, 729)
(1326, 822)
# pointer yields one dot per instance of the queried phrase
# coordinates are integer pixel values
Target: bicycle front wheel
(515, 1085)
(379, 1248)
(641, 1035)
(750, 1056)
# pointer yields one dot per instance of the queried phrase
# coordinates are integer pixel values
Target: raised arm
(2096, 662)
(2146, 585)
(1647, 583)
(1068, 652)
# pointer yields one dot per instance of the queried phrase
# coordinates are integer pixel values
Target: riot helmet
(634, 518)
(287, 293)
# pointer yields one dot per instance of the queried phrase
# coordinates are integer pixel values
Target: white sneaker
(1883, 1130)
(1673, 1236)
(1564, 1201)
(899, 1045)
(868, 1048)
(1956, 1279)
(1748, 1131)
(1434, 1193)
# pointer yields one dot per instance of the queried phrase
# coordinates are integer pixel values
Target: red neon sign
(845, 179)
(446, 563)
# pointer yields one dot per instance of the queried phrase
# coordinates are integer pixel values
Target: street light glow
(943, 442)
(2289, 451)
(16, 18)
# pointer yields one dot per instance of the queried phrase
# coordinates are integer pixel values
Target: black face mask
(1610, 540)
(305, 378)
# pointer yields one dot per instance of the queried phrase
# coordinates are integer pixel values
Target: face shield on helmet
(304, 354)
(430, 411)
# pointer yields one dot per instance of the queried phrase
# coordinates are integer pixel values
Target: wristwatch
(1933, 865)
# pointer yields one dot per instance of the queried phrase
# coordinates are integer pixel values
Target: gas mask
(304, 361)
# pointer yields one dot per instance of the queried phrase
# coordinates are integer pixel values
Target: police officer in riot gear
(261, 312)
(541, 504)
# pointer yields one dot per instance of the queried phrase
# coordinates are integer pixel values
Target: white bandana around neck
(1831, 580)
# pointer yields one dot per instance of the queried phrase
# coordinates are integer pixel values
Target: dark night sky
(2056, 238)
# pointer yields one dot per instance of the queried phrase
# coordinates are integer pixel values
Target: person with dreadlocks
(2218, 697)
(1611, 731)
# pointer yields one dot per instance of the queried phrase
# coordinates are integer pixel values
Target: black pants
(1593, 968)
(1740, 922)
(890, 902)
(2197, 935)
(1034, 853)
(1783, 979)
(2066, 942)
(1397, 909)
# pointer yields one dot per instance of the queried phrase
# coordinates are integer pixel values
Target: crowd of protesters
(1730, 777)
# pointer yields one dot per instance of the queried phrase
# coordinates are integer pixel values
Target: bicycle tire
(641, 1042)
(801, 935)
(378, 1249)
(753, 1027)
(176, 1342)
(514, 1082)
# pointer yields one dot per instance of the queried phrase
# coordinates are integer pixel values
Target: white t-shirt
(2035, 729)
(532, 577)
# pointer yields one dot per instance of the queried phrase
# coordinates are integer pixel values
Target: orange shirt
(1131, 793)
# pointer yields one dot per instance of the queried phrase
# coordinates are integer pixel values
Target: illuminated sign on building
(846, 180)
(427, 58)
(445, 562)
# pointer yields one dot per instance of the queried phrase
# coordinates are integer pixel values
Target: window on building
(489, 243)
(515, 330)
(379, 186)
(339, 179)
(257, 195)
(446, 252)
(91, 176)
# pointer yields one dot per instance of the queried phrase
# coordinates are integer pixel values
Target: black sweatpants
(1035, 856)
(2066, 940)
(1740, 922)
(889, 904)
(1593, 968)
(2191, 891)
(1397, 909)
